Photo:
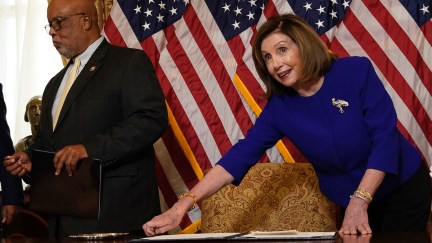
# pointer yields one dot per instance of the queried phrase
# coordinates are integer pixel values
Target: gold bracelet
(361, 197)
(193, 196)
(364, 194)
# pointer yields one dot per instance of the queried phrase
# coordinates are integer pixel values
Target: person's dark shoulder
(118, 54)
(126, 51)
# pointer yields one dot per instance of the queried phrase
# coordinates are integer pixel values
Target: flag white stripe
(246, 37)
(283, 7)
(174, 178)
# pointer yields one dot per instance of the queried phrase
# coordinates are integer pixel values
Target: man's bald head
(77, 23)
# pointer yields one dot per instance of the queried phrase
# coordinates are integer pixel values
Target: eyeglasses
(56, 22)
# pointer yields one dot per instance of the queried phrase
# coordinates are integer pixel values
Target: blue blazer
(341, 143)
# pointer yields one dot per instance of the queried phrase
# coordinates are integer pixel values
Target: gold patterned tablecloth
(272, 196)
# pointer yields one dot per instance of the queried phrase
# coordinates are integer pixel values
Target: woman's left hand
(356, 218)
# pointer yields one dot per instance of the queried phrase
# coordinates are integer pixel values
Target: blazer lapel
(50, 96)
(84, 77)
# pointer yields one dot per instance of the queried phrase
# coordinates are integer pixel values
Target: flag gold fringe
(192, 228)
(257, 110)
(184, 144)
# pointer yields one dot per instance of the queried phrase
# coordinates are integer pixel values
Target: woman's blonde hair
(315, 58)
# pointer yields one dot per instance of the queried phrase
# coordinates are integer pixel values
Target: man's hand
(8, 212)
(68, 157)
(18, 164)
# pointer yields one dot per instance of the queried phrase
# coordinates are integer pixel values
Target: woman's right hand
(211, 183)
(169, 219)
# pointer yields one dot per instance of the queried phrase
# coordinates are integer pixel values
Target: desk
(406, 237)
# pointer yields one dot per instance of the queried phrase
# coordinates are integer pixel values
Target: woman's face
(281, 56)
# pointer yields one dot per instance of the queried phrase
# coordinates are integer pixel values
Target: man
(114, 111)
(11, 186)
(31, 115)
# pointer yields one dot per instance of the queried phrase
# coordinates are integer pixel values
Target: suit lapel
(84, 78)
(50, 96)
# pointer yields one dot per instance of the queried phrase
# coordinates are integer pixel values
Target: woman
(337, 112)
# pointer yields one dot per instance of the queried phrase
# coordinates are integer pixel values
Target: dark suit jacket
(12, 191)
(116, 109)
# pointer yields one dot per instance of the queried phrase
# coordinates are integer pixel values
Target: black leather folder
(76, 196)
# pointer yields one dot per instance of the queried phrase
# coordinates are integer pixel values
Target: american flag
(201, 51)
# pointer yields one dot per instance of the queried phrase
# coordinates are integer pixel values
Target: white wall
(27, 58)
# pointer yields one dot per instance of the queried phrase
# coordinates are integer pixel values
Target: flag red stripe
(325, 39)
(243, 71)
(427, 31)
(113, 34)
(237, 48)
(251, 84)
(179, 159)
(336, 47)
(163, 182)
(270, 9)
(149, 46)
